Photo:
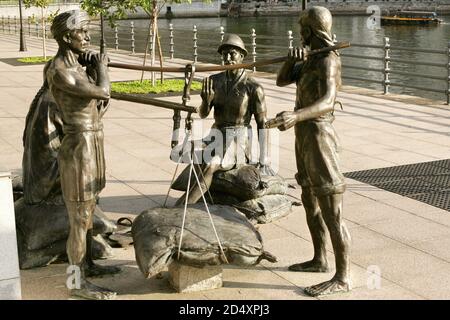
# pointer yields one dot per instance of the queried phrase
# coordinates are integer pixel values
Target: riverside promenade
(405, 240)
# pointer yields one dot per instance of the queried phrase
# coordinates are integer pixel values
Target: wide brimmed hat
(232, 40)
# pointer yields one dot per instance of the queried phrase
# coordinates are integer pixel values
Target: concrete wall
(277, 7)
(9, 261)
(185, 10)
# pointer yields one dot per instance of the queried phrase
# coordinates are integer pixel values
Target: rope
(204, 201)
(203, 177)
(175, 173)
(210, 218)
(185, 208)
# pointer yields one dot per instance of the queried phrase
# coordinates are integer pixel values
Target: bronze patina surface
(235, 97)
(79, 82)
(316, 146)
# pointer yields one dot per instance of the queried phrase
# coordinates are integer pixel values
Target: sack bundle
(43, 229)
(261, 198)
(156, 234)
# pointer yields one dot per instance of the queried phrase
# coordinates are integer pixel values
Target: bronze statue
(81, 96)
(235, 97)
(41, 141)
(316, 146)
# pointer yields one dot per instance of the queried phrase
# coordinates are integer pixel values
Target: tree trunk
(160, 54)
(146, 48)
(44, 46)
(154, 28)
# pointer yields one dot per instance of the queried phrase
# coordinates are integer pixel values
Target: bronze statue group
(66, 161)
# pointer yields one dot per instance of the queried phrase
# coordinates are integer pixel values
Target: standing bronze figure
(316, 146)
(235, 97)
(81, 96)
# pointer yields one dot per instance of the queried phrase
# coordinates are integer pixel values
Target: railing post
(3, 25)
(386, 70)
(29, 28)
(253, 36)
(116, 38)
(290, 40)
(132, 37)
(37, 29)
(195, 44)
(222, 34)
(171, 44)
(15, 25)
(9, 24)
(448, 73)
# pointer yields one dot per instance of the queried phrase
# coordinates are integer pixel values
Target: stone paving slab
(406, 239)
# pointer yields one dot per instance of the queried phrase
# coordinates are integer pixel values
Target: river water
(272, 40)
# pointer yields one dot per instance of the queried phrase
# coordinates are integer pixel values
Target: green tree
(115, 9)
(43, 4)
(110, 9)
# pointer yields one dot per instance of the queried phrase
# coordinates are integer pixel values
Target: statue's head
(70, 29)
(316, 21)
(232, 49)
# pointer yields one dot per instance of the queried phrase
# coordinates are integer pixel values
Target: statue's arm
(260, 114)
(74, 83)
(288, 73)
(327, 72)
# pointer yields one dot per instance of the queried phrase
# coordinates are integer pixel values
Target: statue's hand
(207, 93)
(297, 54)
(85, 58)
(285, 120)
(100, 60)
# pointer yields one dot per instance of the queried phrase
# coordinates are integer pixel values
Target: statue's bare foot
(93, 292)
(96, 270)
(310, 266)
(328, 287)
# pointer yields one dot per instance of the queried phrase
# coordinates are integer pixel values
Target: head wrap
(68, 21)
(319, 20)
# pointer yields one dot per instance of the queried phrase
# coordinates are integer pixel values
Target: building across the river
(215, 8)
(275, 7)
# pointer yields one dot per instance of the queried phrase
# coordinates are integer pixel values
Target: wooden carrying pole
(339, 45)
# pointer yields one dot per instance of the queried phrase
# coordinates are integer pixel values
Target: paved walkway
(407, 240)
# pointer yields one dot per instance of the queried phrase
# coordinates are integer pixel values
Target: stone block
(10, 289)
(9, 263)
(186, 279)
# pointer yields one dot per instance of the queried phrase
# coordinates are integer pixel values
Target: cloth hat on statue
(67, 21)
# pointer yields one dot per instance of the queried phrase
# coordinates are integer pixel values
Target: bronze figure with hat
(236, 97)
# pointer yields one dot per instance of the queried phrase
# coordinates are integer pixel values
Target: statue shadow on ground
(131, 282)
(134, 204)
(248, 285)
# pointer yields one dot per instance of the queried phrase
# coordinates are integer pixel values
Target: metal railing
(382, 62)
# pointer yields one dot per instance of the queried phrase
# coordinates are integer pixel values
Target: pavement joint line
(11, 145)
(382, 97)
(144, 195)
(142, 135)
(353, 262)
(403, 125)
(396, 115)
(393, 206)
(402, 243)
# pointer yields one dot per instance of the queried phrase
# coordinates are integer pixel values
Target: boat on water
(404, 17)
